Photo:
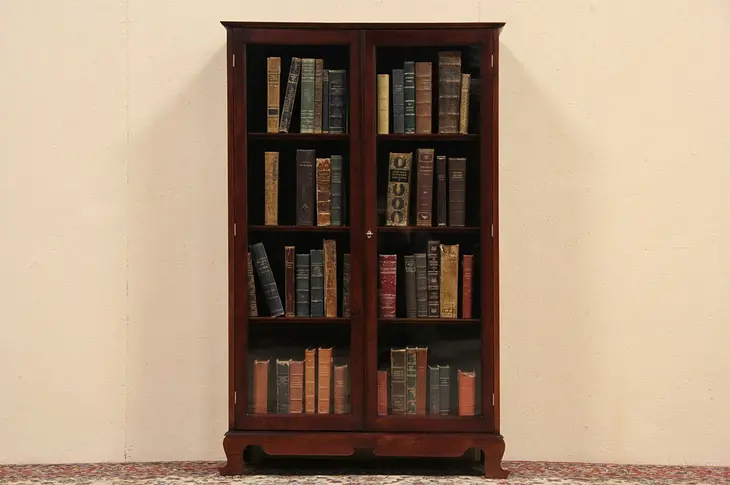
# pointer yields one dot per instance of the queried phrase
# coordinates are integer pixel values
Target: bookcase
(363, 241)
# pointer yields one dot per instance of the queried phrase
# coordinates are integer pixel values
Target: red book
(466, 275)
(382, 392)
(466, 393)
(421, 389)
(388, 270)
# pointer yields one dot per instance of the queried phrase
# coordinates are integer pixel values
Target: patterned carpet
(523, 473)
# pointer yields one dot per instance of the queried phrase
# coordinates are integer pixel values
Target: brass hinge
(492, 61)
(235, 397)
(492, 230)
(235, 230)
(234, 60)
(492, 399)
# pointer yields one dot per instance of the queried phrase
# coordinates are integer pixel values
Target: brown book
(260, 386)
(410, 286)
(330, 277)
(305, 187)
(466, 383)
(310, 381)
(424, 187)
(324, 198)
(441, 206)
(382, 393)
(433, 278)
(466, 284)
(273, 68)
(324, 380)
(388, 266)
(318, 93)
(449, 91)
(291, 91)
(271, 194)
(346, 285)
(341, 389)
(399, 184)
(383, 84)
(457, 192)
(448, 301)
(464, 104)
(296, 386)
(253, 309)
(289, 282)
(411, 375)
(421, 373)
(424, 90)
(398, 381)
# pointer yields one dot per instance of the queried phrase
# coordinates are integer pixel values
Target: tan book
(310, 381)
(466, 383)
(464, 104)
(383, 104)
(324, 192)
(341, 389)
(273, 68)
(296, 386)
(449, 284)
(399, 186)
(324, 378)
(330, 277)
(260, 386)
(271, 193)
(382, 392)
(253, 309)
(318, 91)
(424, 90)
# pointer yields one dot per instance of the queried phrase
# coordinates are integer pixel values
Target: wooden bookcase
(456, 419)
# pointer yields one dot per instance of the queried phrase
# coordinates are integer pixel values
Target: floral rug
(523, 473)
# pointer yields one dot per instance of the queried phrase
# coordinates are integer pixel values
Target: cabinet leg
(493, 461)
(234, 456)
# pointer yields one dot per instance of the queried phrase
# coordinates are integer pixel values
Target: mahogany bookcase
(364, 336)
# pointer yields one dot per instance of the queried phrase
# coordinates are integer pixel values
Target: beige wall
(615, 142)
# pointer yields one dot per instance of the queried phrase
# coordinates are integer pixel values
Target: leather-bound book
(340, 389)
(260, 386)
(424, 186)
(338, 101)
(307, 105)
(398, 381)
(424, 90)
(449, 91)
(409, 96)
(388, 269)
(444, 390)
(292, 84)
(305, 187)
(266, 278)
(383, 91)
(467, 268)
(398, 102)
(464, 104)
(316, 282)
(289, 282)
(346, 285)
(301, 274)
(282, 386)
(382, 393)
(410, 274)
(466, 382)
(441, 207)
(330, 277)
(310, 381)
(336, 190)
(273, 69)
(411, 375)
(399, 185)
(421, 285)
(434, 390)
(433, 274)
(318, 93)
(253, 309)
(296, 386)
(324, 192)
(325, 101)
(457, 191)
(271, 194)
(324, 380)
(421, 384)
(449, 283)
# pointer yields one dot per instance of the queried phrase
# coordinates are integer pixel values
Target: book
(466, 387)
(310, 381)
(296, 386)
(409, 96)
(398, 381)
(449, 89)
(464, 104)
(411, 374)
(318, 93)
(382, 381)
(325, 101)
(260, 386)
(338, 101)
(383, 91)
(316, 282)
(324, 194)
(434, 390)
(457, 191)
(424, 186)
(421, 387)
(324, 377)
(253, 310)
(467, 268)
(273, 69)
(271, 193)
(433, 274)
(336, 213)
(330, 277)
(289, 282)
(306, 119)
(441, 199)
(421, 285)
(340, 392)
(424, 92)
(409, 261)
(302, 285)
(398, 102)
(282, 386)
(388, 266)
(291, 92)
(444, 389)
(449, 281)
(346, 285)
(399, 183)
(266, 278)
(305, 187)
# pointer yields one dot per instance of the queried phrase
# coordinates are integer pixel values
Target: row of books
(319, 189)
(450, 189)
(308, 386)
(323, 94)
(417, 388)
(310, 282)
(411, 100)
(431, 283)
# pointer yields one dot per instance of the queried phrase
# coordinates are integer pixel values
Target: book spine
(325, 101)
(388, 272)
(330, 277)
(318, 93)
(340, 391)
(307, 106)
(421, 285)
(444, 390)
(409, 96)
(433, 275)
(382, 393)
(441, 190)
(266, 277)
(464, 104)
(260, 386)
(302, 285)
(424, 92)
(383, 87)
(399, 183)
(324, 378)
(296, 386)
(273, 69)
(305, 187)
(338, 101)
(271, 185)
(424, 187)
(282, 386)
(324, 196)
(336, 190)
(289, 282)
(467, 268)
(457, 192)
(411, 379)
(398, 381)
(292, 84)
(253, 309)
(433, 390)
(449, 89)
(421, 386)
(346, 286)
(316, 282)
(410, 274)
(310, 381)
(466, 381)
(399, 109)
(449, 280)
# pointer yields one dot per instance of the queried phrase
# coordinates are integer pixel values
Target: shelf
(427, 321)
(298, 136)
(298, 320)
(437, 229)
(427, 137)
(322, 229)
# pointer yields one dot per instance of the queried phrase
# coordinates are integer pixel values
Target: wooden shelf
(430, 321)
(427, 137)
(298, 136)
(434, 229)
(298, 320)
(322, 229)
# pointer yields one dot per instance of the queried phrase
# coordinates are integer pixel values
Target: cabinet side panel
(495, 220)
